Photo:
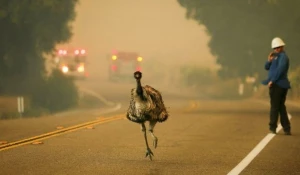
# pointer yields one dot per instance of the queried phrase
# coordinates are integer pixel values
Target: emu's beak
(137, 76)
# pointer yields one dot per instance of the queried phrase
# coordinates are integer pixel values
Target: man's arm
(269, 62)
(268, 65)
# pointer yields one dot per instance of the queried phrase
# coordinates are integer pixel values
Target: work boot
(273, 131)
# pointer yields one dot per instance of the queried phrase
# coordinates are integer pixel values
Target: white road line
(258, 148)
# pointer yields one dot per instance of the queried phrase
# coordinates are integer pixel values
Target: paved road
(201, 137)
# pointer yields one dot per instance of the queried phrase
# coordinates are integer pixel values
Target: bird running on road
(146, 104)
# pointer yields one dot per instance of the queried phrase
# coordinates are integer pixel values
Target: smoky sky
(156, 29)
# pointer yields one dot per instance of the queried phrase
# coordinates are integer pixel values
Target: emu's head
(137, 75)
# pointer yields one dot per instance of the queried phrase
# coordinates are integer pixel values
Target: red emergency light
(62, 52)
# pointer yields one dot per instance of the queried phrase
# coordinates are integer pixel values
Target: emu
(146, 104)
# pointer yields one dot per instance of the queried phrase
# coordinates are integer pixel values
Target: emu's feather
(149, 108)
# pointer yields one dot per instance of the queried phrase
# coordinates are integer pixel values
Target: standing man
(278, 83)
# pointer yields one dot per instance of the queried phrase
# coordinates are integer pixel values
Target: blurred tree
(241, 31)
(30, 28)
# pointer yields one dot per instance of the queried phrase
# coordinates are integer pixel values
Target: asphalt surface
(200, 137)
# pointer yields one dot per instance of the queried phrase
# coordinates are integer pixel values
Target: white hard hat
(277, 42)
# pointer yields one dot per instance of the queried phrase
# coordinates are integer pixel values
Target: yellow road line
(197, 104)
(58, 132)
(194, 105)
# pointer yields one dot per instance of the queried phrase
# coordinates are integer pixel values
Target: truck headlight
(80, 69)
(140, 59)
(65, 69)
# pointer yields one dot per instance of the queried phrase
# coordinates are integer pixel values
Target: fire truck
(72, 62)
(123, 64)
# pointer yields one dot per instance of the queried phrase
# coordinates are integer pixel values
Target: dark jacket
(278, 71)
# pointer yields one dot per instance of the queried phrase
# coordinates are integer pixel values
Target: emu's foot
(155, 140)
(149, 153)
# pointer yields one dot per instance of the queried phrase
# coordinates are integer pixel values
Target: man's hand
(270, 84)
(270, 57)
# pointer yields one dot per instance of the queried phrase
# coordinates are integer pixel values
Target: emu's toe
(149, 153)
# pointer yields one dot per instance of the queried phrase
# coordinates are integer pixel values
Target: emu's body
(146, 104)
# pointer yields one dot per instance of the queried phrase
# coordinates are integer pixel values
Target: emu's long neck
(139, 89)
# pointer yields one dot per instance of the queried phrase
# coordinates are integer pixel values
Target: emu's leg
(151, 127)
(148, 151)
